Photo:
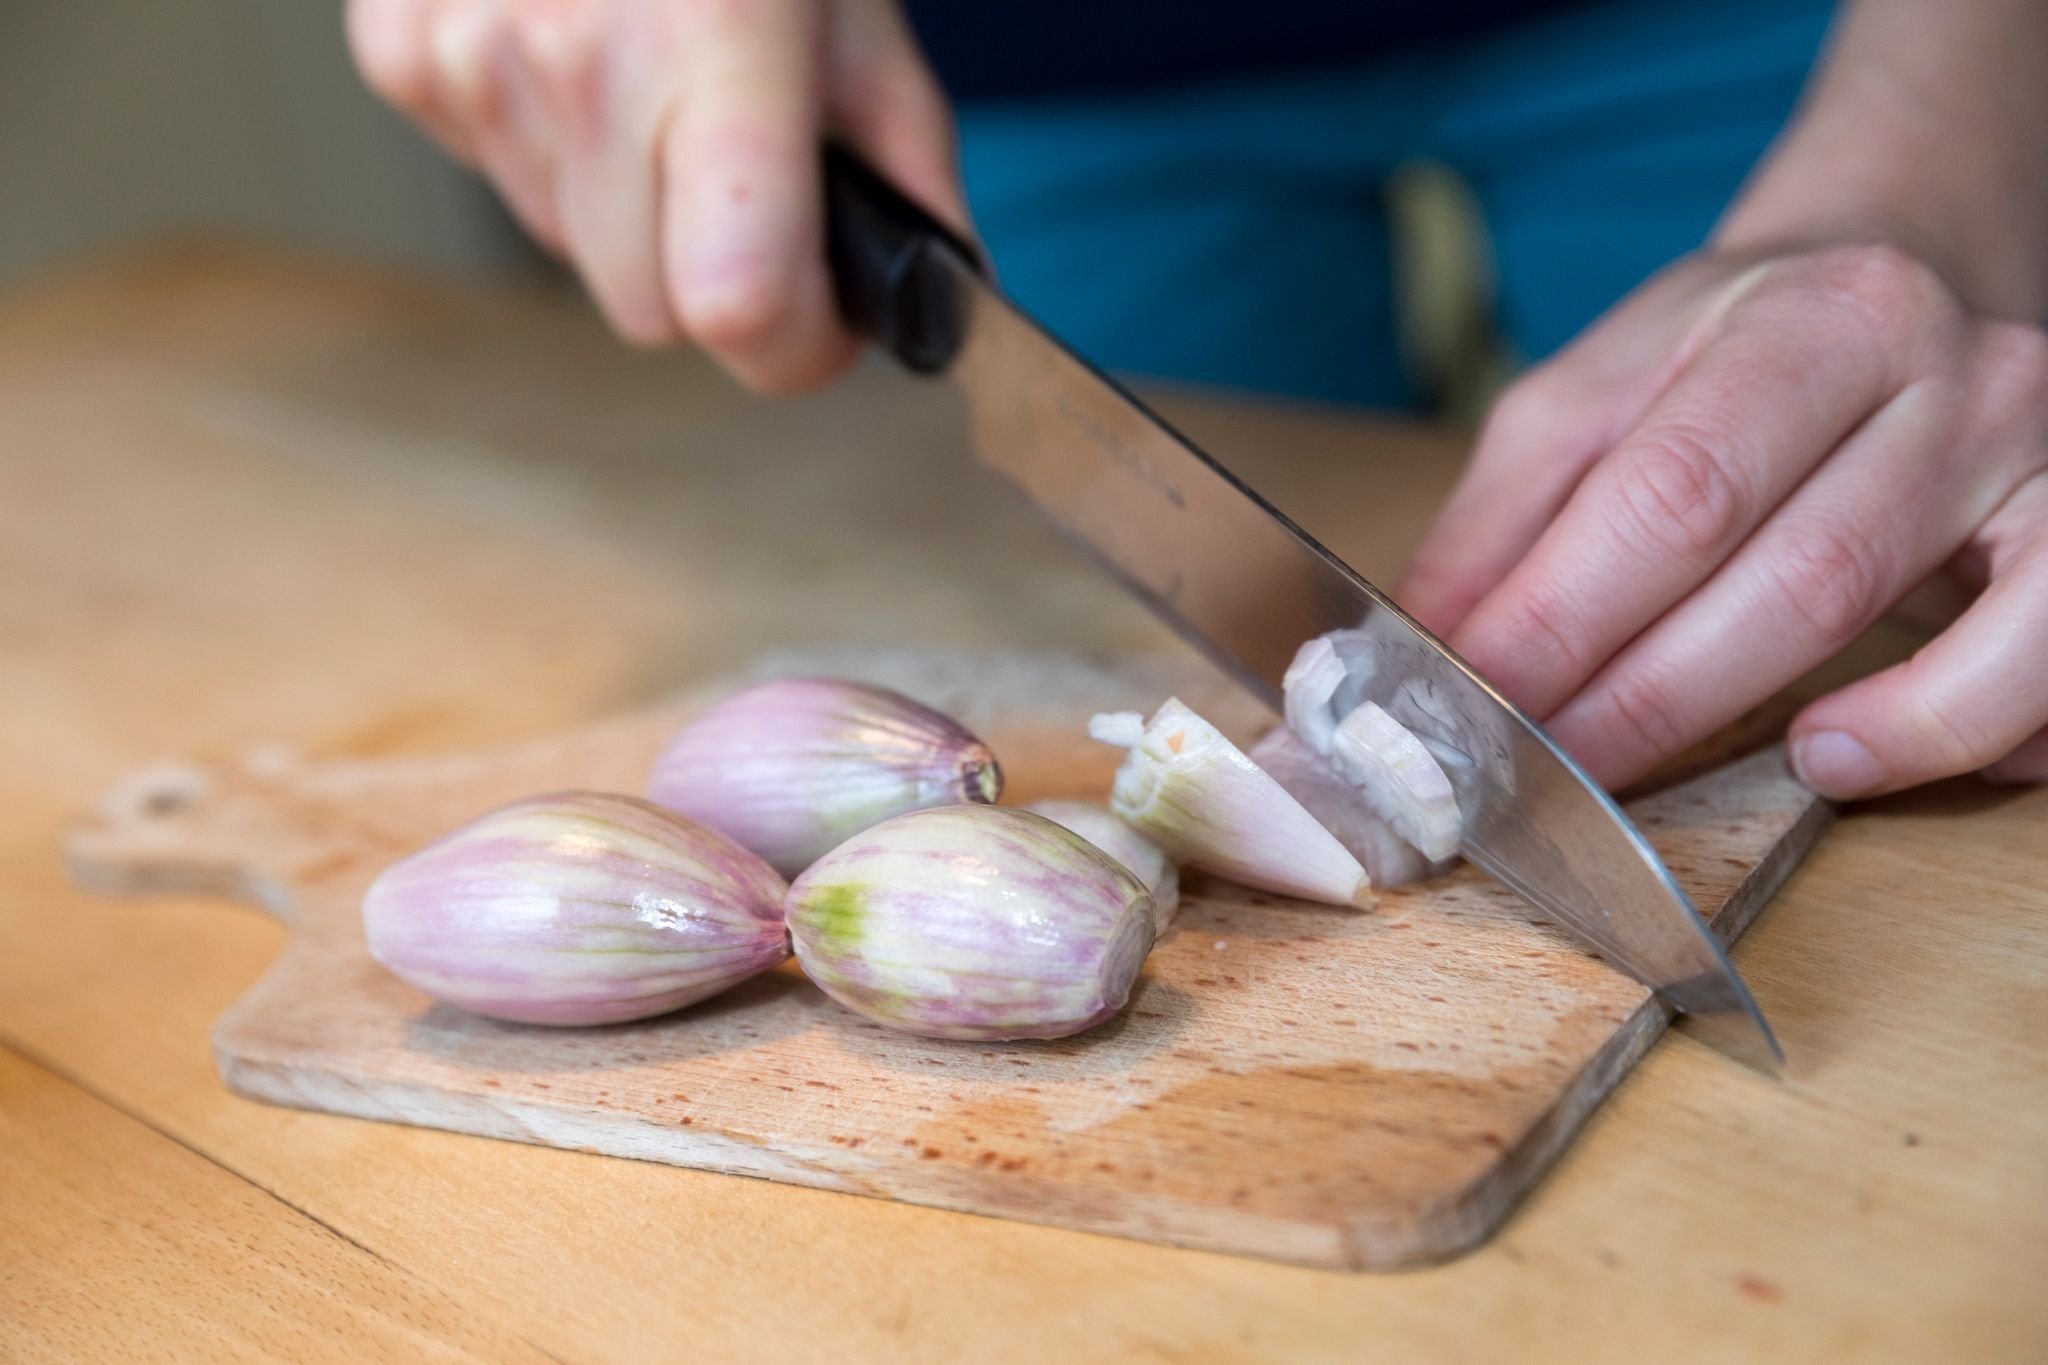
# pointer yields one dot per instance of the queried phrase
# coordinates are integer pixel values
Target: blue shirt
(996, 48)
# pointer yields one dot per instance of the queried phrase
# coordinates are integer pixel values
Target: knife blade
(1244, 584)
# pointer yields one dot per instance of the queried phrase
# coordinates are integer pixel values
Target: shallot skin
(793, 767)
(577, 908)
(1140, 857)
(974, 922)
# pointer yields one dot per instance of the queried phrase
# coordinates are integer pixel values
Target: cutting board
(1362, 1090)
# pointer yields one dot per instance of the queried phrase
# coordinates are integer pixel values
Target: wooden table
(251, 500)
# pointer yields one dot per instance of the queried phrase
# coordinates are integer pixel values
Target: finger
(1791, 373)
(883, 97)
(392, 46)
(1972, 697)
(1537, 442)
(2026, 764)
(486, 86)
(606, 78)
(1874, 520)
(1540, 438)
(743, 216)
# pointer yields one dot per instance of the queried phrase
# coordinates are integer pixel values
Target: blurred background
(129, 121)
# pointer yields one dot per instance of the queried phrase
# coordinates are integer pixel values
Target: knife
(1248, 587)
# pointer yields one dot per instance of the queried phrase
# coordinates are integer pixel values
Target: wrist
(1917, 134)
(1763, 227)
(1824, 186)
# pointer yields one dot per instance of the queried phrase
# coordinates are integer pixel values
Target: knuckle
(1957, 742)
(460, 42)
(1439, 587)
(1433, 572)
(1546, 623)
(1531, 407)
(738, 139)
(387, 50)
(2014, 370)
(750, 309)
(561, 42)
(1649, 713)
(1882, 284)
(1676, 493)
(1834, 577)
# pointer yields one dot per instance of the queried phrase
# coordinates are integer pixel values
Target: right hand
(669, 148)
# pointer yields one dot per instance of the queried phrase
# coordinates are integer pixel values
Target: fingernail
(1835, 763)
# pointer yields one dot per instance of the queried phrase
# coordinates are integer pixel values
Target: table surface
(247, 499)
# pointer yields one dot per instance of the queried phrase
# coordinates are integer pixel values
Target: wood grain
(120, 1244)
(251, 499)
(1420, 1066)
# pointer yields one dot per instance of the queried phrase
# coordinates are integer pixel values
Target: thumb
(1975, 696)
(885, 99)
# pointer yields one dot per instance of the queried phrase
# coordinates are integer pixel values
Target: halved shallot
(1195, 793)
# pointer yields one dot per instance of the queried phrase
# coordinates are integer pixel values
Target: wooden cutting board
(1336, 1088)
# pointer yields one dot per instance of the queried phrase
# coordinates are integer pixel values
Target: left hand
(1727, 479)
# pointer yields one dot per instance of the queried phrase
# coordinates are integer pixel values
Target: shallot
(977, 922)
(1140, 856)
(794, 767)
(1340, 808)
(576, 908)
(1396, 772)
(1399, 778)
(1193, 792)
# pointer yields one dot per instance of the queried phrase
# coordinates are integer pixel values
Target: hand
(1728, 478)
(669, 148)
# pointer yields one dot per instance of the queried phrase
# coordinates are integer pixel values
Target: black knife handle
(888, 283)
